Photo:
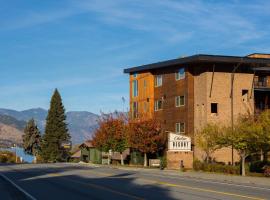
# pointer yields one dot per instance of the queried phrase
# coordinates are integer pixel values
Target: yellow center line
(187, 187)
(208, 190)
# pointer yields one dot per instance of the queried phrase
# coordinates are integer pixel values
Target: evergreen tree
(56, 132)
(31, 138)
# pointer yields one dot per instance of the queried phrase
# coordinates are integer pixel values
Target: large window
(158, 80)
(180, 127)
(135, 109)
(158, 105)
(134, 88)
(180, 74)
(179, 101)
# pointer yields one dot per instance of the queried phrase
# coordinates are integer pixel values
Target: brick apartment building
(186, 93)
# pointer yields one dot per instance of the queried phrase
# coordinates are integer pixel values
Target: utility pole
(123, 101)
(232, 107)
(15, 147)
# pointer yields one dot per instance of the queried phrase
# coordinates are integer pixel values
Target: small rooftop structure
(259, 55)
(87, 143)
(77, 154)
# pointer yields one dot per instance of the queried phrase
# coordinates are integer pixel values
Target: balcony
(261, 84)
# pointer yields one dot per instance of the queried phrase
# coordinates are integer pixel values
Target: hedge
(216, 167)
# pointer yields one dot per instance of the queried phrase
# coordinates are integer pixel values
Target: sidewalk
(227, 178)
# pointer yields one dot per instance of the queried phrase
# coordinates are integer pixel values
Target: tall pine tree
(56, 132)
(31, 138)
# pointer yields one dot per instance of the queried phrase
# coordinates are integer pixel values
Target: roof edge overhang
(202, 58)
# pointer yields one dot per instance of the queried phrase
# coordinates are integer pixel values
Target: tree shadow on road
(59, 183)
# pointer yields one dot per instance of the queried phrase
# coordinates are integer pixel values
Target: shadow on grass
(48, 182)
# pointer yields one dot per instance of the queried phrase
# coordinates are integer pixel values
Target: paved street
(74, 181)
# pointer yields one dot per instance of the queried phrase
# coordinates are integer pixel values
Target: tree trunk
(122, 160)
(145, 160)
(232, 156)
(109, 160)
(243, 159)
(207, 157)
(262, 156)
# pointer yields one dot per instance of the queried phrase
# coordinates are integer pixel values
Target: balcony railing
(261, 84)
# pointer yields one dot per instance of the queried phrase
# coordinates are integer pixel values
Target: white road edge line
(18, 187)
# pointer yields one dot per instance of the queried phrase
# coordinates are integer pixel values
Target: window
(134, 88)
(179, 101)
(180, 74)
(245, 95)
(158, 80)
(158, 105)
(135, 109)
(214, 108)
(180, 127)
(135, 75)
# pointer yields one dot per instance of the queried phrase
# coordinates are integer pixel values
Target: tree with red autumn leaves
(112, 134)
(146, 136)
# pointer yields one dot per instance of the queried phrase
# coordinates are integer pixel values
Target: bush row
(215, 167)
(7, 157)
(258, 166)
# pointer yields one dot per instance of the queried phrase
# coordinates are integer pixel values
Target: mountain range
(81, 124)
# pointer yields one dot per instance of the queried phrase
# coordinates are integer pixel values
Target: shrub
(3, 159)
(215, 167)
(198, 165)
(7, 157)
(258, 166)
(163, 162)
(266, 172)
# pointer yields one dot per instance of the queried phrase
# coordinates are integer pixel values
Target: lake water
(20, 153)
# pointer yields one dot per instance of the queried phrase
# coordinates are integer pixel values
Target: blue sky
(82, 46)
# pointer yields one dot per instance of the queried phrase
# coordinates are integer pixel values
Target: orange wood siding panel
(145, 96)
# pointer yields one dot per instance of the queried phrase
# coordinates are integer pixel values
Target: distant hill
(38, 114)
(81, 124)
(12, 121)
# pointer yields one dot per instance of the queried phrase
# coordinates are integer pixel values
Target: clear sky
(82, 46)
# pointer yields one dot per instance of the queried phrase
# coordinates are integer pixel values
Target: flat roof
(202, 58)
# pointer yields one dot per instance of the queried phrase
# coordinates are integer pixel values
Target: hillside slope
(9, 135)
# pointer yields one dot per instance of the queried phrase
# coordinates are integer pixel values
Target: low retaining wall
(174, 159)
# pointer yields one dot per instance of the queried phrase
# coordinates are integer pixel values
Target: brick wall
(220, 94)
(174, 158)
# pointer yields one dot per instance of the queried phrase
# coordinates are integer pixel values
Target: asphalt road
(73, 181)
